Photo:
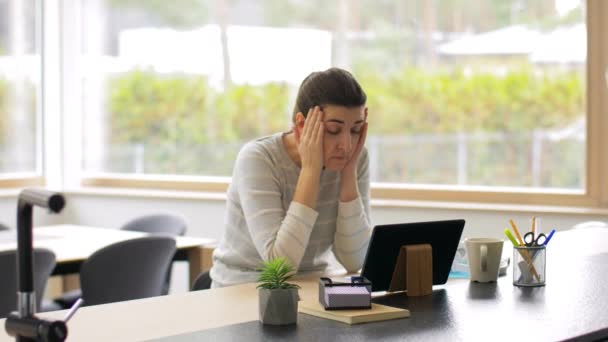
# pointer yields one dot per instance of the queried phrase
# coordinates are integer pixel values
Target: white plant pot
(278, 306)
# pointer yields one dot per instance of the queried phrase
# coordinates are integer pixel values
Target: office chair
(158, 224)
(202, 282)
(44, 263)
(3, 227)
(127, 270)
(162, 225)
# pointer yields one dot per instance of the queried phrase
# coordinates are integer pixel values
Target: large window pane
(20, 76)
(483, 93)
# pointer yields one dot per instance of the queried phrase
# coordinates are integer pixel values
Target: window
(464, 98)
(20, 86)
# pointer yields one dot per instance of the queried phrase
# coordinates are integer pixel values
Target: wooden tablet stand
(414, 270)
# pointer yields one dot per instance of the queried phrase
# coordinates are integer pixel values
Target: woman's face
(342, 132)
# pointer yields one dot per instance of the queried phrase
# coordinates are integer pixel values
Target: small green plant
(275, 273)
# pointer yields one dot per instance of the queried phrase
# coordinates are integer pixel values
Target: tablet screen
(386, 242)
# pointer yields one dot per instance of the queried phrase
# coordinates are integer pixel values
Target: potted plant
(278, 299)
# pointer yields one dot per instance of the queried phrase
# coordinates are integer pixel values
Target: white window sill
(376, 203)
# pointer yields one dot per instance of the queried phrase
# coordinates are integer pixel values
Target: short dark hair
(333, 86)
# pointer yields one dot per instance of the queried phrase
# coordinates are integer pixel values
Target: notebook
(376, 313)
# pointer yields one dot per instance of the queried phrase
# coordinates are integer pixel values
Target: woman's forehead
(345, 114)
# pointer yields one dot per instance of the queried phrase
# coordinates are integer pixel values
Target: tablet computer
(386, 242)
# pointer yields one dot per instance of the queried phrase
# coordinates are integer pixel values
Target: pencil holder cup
(529, 266)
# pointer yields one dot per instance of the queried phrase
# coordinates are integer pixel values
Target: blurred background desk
(573, 305)
(73, 244)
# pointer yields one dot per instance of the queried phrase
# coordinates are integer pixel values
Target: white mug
(484, 258)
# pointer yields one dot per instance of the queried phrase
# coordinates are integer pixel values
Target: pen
(511, 238)
(549, 237)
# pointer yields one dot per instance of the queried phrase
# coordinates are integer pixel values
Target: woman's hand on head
(351, 165)
(310, 140)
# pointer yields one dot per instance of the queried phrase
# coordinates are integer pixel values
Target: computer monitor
(386, 242)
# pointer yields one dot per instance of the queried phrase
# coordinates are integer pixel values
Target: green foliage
(275, 273)
(245, 112)
(184, 110)
(188, 127)
(157, 109)
(422, 101)
(28, 96)
(183, 125)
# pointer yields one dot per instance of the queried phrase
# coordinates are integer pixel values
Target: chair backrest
(3, 227)
(44, 263)
(158, 224)
(202, 282)
(127, 270)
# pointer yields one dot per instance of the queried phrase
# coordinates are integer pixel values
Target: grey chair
(44, 263)
(3, 227)
(202, 282)
(162, 225)
(158, 224)
(127, 270)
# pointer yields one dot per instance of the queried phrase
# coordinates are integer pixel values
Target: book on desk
(376, 313)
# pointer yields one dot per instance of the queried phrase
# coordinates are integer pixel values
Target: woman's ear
(298, 125)
(365, 117)
(300, 119)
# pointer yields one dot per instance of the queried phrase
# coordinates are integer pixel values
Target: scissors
(533, 240)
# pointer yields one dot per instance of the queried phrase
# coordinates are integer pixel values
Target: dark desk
(573, 305)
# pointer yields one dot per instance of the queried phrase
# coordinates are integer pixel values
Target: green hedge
(155, 108)
(184, 126)
(188, 127)
(417, 101)
(7, 95)
(181, 109)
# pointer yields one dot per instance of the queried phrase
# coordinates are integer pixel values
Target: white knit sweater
(262, 222)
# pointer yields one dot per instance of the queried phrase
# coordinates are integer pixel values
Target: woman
(299, 193)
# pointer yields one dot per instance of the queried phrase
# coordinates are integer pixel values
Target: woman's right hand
(310, 140)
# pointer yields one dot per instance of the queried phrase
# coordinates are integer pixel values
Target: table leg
(200, 260)
(54, 287)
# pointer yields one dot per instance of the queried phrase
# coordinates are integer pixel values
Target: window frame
(594, 194)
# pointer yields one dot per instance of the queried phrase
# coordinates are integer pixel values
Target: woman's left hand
(351, 165)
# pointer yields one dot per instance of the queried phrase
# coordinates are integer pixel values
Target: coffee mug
(484, 258)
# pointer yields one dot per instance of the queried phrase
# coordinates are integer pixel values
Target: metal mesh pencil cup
(529, 266)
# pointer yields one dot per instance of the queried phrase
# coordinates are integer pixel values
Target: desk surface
(573, 304)
(76, 243)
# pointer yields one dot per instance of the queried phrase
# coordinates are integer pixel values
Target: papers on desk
(376, 313)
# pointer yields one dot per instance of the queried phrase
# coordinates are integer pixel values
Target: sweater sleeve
(353, 227)
(274, 231)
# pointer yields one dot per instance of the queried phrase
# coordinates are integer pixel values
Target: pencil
(521, 241)
(533, 225)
